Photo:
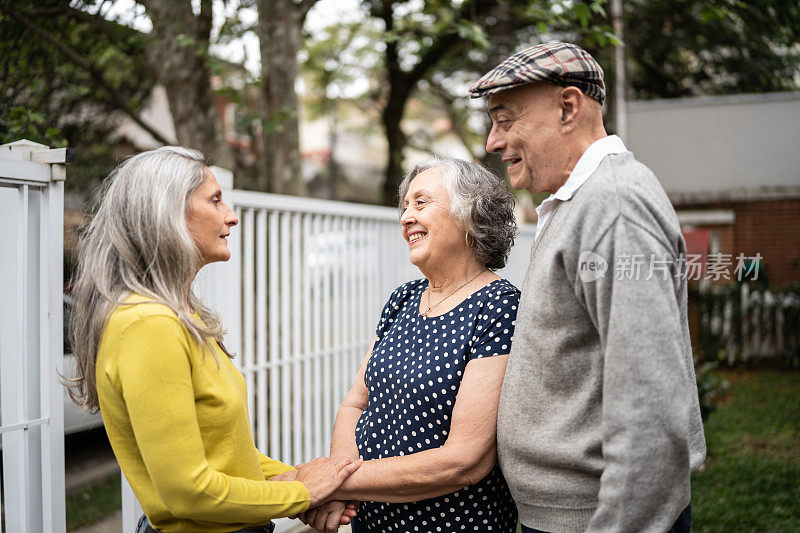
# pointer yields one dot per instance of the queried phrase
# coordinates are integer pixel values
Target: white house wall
(718, 143)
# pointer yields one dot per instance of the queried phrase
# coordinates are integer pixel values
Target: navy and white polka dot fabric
(413, 377)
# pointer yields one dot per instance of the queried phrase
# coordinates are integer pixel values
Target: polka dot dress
(413, 377)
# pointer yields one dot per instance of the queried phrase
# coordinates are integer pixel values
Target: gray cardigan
(599, 424)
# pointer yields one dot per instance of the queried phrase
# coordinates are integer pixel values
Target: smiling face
(433, 238)
(527, 133)
(209, 221)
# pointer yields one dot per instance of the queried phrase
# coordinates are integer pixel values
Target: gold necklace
(432, 307)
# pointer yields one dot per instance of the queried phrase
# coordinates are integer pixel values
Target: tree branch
(443, 44)
(205, 19)
(455, 118)
(103, 25)
(305, 6)
(116, 100)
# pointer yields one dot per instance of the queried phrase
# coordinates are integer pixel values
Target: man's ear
(570, 102)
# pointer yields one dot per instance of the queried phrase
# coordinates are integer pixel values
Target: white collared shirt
(584, 168)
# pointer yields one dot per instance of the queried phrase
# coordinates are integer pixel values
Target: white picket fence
(752, 324)
(31, 337)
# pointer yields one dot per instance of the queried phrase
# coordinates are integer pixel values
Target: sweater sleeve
(271, 467)
(155, 375)
(645, 415)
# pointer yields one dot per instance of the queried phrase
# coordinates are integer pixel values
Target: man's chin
(519, 181)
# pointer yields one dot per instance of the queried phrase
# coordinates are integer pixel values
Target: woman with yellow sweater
(150, 357)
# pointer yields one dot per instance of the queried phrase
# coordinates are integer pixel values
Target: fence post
(745, 305)
(31, 336)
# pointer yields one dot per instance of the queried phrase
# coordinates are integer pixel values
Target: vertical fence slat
(286, 346)
(363, 323)
(319, 300)
(355, 255)
(260, 416)
(326, 338)
(274, 355)
(336, 315)
(15, 479)
(297, 354)
(248, 316)
(227, 294)
(307, 347)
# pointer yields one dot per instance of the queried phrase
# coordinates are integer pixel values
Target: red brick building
(730, 165)
(755, 222)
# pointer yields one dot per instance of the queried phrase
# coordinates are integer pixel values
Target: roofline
(706, 101)
(744, 194)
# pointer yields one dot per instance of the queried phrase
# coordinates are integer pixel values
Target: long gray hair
(138, 242)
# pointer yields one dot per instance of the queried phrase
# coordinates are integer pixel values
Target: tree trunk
(392, 115)
(395, 106)
(502, 41)
(280, 25)
(402, 82)
(178, 53)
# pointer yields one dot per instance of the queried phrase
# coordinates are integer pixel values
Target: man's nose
(495, 141)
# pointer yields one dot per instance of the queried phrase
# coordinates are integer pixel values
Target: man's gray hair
(138, 242)
(480, 204)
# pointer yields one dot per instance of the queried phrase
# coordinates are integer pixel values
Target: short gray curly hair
(480, 203)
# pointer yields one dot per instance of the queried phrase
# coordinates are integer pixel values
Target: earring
(469, 239)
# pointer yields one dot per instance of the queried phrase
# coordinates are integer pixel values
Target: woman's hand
(330, 515)
(289, 475)
(322, 476)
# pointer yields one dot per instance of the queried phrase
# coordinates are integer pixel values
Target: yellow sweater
(179, 427)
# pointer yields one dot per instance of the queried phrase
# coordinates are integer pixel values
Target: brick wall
(768, 227)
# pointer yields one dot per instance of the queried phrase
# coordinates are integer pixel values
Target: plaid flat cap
(559, 63)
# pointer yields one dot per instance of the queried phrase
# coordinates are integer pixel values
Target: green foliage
(23, 123)
(688, 47)
(430, 52)
(753, 464)
(94, 503)
(711, 387)
(49, 99)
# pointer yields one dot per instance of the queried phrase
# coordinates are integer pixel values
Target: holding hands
(322, 477)
(330, 515)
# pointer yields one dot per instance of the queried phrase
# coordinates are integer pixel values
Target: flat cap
(559, 63)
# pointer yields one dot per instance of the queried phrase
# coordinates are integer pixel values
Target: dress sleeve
(392, 307)
(494, 326)
(155, 377)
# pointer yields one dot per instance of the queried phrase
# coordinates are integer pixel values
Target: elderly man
(599, 424)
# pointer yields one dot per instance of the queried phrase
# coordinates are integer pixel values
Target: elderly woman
(423, 407)
(150, 357)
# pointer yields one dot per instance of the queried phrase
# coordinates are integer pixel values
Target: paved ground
(110, 524)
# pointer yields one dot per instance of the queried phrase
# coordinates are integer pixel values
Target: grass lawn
(93, 503)
(751, 481)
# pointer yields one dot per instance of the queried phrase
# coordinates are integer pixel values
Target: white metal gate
(300, 299)
(31, 337)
